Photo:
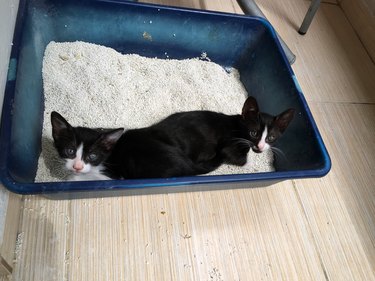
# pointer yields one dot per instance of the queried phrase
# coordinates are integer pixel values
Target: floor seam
(311, 231)
(341, 102)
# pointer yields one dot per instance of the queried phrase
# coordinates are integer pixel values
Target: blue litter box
(248, 44)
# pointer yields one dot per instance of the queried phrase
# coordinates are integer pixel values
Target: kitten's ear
(58, 124)
(282, 120)
(250, 109)
(109, 139)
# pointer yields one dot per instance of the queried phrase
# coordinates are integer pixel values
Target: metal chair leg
(309, 16)
(251, 8)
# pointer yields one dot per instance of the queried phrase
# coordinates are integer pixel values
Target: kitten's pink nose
(261, 146)
(78, 166)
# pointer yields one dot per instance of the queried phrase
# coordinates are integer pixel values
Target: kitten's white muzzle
(77, 165)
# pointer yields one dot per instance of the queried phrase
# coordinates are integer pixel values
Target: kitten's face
(83, 149)
(264, 129)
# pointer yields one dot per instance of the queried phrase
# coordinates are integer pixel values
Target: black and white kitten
(183, 144)
(83, 149)
(195, 142)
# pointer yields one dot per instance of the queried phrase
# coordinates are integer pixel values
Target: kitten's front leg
(235, 154)
(249, 160)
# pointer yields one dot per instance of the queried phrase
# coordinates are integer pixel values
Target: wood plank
(5, 268)
(42, 250)
(230, 6)
(341, 207)
(240, 234)
(11, 227)
(361, 14)
(331, 65)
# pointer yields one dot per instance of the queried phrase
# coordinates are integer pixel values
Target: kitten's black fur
(192, 143)
(183, 144)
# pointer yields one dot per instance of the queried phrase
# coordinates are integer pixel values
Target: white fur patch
(95, 174)
(262, 145)
(249, 159)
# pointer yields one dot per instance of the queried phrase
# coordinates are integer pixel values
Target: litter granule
(95, 86)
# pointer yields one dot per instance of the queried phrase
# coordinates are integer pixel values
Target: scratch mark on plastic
(297, 84)
(12, 70)
(147, 36)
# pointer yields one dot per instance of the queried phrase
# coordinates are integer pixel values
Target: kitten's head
(83, 149)
(264, 129)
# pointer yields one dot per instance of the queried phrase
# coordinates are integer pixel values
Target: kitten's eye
(70, 152)
(253, 134)
(92, 157)
(271, 138)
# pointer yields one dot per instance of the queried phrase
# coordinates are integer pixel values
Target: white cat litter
(95, 86)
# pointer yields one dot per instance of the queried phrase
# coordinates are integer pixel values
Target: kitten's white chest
(95, 174)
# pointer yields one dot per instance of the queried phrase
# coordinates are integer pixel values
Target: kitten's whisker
(59, 161)
(242, 143)
(278, 150)
(279, 153)
(241, 140)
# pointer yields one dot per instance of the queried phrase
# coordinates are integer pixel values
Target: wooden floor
(318, 229)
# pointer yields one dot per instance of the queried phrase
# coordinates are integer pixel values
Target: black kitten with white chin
(195, 142)
(83, 149)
